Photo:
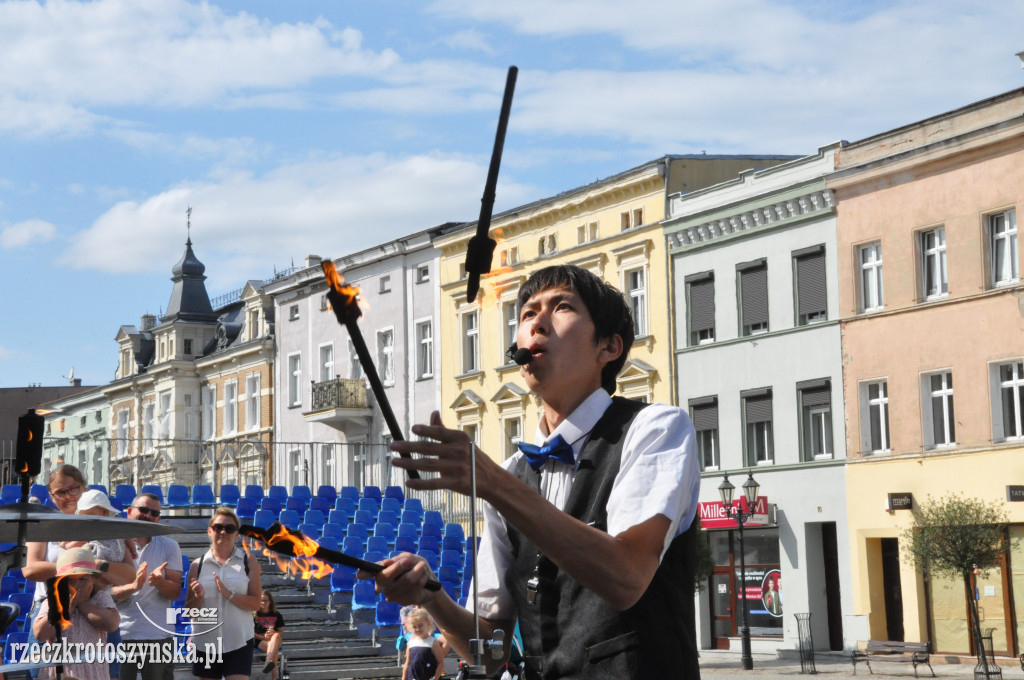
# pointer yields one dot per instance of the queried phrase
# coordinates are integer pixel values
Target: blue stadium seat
(271, 505)
(387, 517)
(177, 496)
(328, 542)
(20, 638)
(375, 555)
(153, 489)
(296, 504)
(100, 487)
(453, 543)
(368, 504)
(431, 557)
(311, 530)
(254, 491)
(321, 504)
(328, 492)
(390, 504)
(125, 493)
(8, 586)
(346, 504)
(359, 531)
(229, 494)
(433, 517)
(431, 530)
(366, 517)
(414, 504)
(454, 529)
(349, 492)
(405, 544)
(385, 531)
(431, 543)
(409, 531)
(411, 517)
(290, 519)
(353, 545)
(449, 574)
(279, 492)
(10, 493)
(302, 491)
(450, 558)
(364, 595)
(314, 517)
(341, 517)
(336, 530)
(394, 492)
(263, 519)
(377, 544)
(373, 492)
(202, 496)
(388, 614)
(245, 508)
(343, 580)
(24, 602)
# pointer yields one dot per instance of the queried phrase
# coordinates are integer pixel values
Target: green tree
(953, 537)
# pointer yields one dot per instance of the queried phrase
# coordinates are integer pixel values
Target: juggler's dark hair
(604, 302)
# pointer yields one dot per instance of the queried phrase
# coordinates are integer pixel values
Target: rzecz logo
(204, 619)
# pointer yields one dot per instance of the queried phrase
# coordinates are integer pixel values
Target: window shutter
(820, 396)
(757, 406)
(705, 413)
(702, 302)
(810, 277)
(754, 292)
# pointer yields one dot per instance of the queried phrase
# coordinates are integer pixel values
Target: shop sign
(712, 514)
(1014, 493)
(901, 501)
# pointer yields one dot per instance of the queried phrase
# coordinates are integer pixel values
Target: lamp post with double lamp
(750, 489)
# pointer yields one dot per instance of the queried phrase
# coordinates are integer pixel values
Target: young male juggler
(589, 538)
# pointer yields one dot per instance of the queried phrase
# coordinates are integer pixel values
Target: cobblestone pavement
(834, 666)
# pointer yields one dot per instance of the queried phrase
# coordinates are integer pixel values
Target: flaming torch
(59, 594)
(293, 543)
(344, 301)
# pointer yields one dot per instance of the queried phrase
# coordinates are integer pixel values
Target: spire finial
(188, 225)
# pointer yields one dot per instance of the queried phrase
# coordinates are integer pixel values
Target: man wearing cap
(144, 603)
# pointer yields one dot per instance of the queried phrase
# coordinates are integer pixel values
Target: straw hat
(75, 561)
(94, 498)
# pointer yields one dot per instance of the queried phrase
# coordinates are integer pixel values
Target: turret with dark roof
(189, 300)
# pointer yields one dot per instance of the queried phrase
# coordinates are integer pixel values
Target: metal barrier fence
(248, 460)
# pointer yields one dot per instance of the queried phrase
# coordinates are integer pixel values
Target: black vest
(570, 632)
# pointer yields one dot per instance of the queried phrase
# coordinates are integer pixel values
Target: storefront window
(761, 587)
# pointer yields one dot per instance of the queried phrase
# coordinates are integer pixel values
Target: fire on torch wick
(344, 302)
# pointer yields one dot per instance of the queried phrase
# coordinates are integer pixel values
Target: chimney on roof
(312, 261)
(76, 382)
(148, 321)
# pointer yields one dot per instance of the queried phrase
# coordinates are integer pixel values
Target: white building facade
(759, 366)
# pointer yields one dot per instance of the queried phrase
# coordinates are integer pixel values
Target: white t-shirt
(151, 622)
(659, 474)
(233, 624)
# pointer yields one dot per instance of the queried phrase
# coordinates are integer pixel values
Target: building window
(1009, 381)
(1002, 246)
(636, 292)
(386, 355)
(462, 271)
(869, 258)
(510, 256)
(547, 244)
(425, 349)
(323, 303)
(355, 367)
(188, 347)
(164, 422)
(704, 414)
(254, 324)
(470, 342)
(753, 289)
(472, 432)
(385, 284)
(815, 419)
(937, 416)
(700, 307)
(510, 316)
(585, 233)
(809, 275)
(208, 397)
(148, 424)
(934, 278)
(638, 217)
(513, 435)
(293, 313)
(188, 429)
(631, 218)
(295, 380)
(297, 468)
(123, 430)
(326, 362)
(252, 402)
(875, 403)
(757, 418)
(230, 407)
(423, 273)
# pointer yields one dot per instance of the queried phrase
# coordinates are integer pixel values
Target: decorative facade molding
(773, 214)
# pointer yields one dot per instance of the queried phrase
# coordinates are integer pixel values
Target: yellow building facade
(612, 228)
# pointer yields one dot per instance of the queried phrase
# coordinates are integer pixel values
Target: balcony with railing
(340, 403)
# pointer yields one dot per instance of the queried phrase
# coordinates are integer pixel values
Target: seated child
(95, 502)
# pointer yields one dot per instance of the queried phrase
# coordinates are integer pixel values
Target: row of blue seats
(247, 507)
(179, 495)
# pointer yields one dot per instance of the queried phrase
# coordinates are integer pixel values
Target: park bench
(893, 650)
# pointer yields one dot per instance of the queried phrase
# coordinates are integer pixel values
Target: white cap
(94, 498)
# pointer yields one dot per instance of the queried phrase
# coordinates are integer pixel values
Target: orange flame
(64, 616)
(337, 282)
(304, 564)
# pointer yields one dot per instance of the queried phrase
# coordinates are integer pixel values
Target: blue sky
(305, 127)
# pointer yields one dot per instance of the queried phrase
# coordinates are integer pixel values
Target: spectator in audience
(268, 624)
(226, 580)
(144, 602)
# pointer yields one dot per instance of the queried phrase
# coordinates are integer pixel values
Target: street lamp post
(750, 489)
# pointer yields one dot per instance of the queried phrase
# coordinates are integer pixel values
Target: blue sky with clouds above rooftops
(325, 127)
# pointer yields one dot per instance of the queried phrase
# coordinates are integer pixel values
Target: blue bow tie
(556, 449)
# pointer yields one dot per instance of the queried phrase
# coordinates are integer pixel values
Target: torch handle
(366, 361)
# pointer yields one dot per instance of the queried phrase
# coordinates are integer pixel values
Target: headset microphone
(520, 355)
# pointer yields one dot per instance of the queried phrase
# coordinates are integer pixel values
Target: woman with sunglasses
(227, 582)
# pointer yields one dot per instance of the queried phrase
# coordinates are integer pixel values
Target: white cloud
(470, 39)
(6, 354)
(246, 223)
(26, 233)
